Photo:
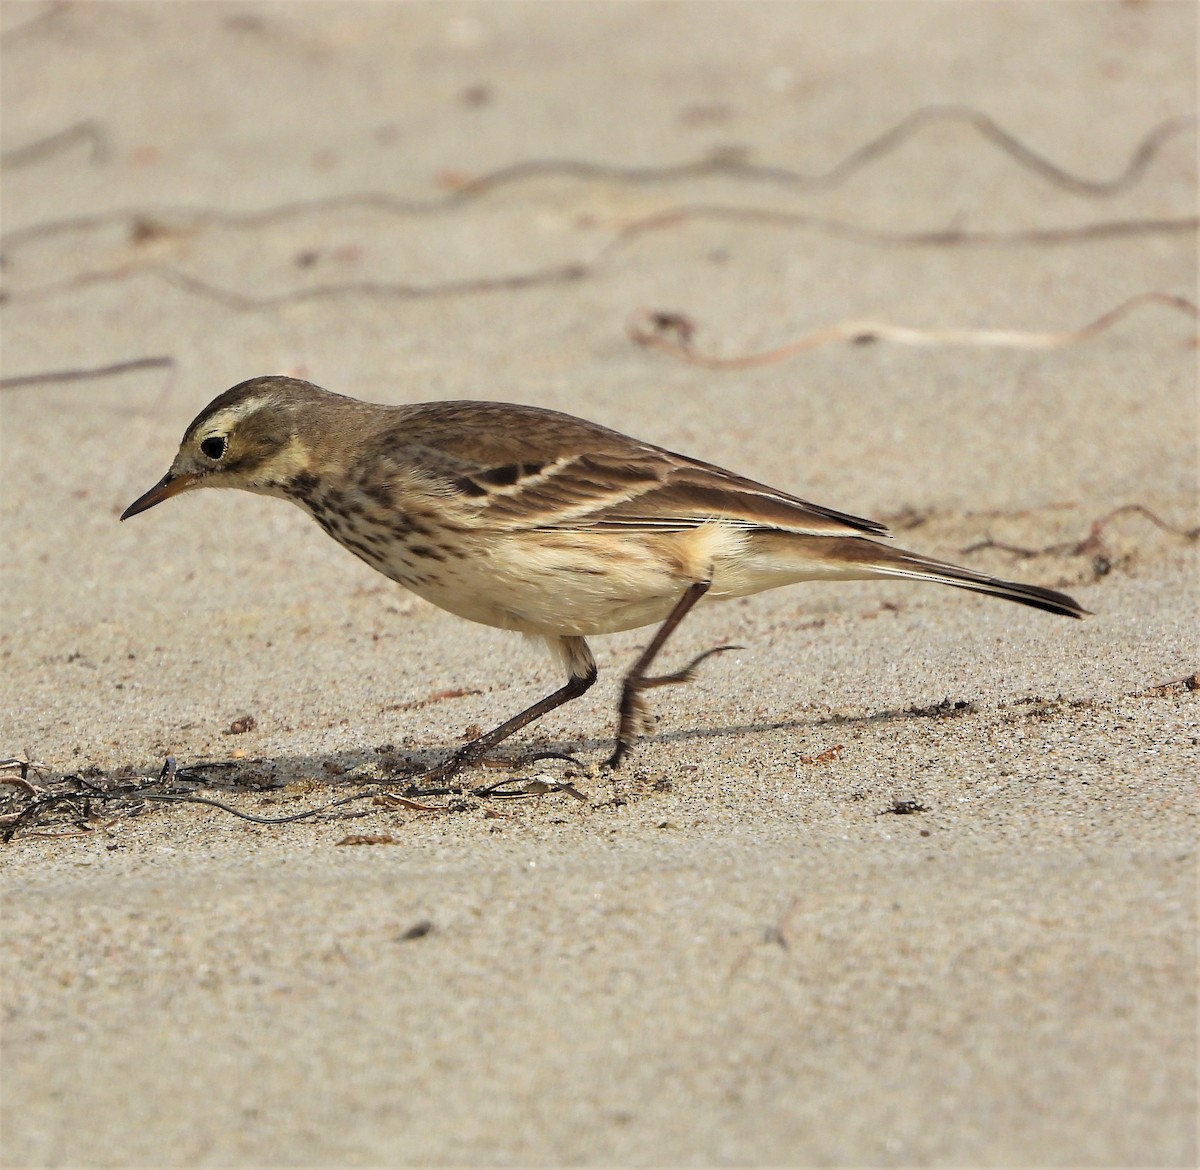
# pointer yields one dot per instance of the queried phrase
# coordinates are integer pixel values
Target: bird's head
(246, 438)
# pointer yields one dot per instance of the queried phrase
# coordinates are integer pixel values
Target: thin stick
(672, 334)
(84, 374)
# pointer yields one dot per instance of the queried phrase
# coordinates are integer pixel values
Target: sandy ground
(736, 953)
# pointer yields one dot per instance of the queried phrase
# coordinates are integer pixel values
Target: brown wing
(532, 468)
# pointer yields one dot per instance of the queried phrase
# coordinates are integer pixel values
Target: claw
(618, 754)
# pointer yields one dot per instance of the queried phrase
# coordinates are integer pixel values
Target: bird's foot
(437, 781)
(634, 717)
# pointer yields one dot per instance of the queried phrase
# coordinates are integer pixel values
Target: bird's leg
(466, 755)
(632, 709)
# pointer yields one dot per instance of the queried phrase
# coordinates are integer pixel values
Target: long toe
(688, 672)
(536, 757)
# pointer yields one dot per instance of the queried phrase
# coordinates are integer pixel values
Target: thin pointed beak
(170, 485)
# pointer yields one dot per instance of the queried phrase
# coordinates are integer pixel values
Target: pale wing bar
(591, 494)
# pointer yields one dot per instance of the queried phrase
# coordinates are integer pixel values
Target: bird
(532, 520)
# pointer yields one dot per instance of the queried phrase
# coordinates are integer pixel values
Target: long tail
(883, 561)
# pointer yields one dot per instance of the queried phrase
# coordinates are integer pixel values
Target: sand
(743, 950)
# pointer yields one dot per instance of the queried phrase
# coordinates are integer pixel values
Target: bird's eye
(213, 446)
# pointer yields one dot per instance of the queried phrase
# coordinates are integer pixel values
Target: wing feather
(519, 467)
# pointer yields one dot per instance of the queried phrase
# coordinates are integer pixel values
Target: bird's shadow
(405, 766)
(338, 780)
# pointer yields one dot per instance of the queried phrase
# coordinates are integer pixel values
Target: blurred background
(746, 963)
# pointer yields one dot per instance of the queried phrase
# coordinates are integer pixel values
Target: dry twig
(674, 333)
(1092, 544)
(575, 271)
(85, 374)
(725, 162)
(89, 131)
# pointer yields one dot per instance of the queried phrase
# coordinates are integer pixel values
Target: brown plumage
(536, 521)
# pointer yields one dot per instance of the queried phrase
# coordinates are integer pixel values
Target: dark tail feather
(897, 563)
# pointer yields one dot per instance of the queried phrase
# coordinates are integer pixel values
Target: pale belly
(549, 589)
(552, 583)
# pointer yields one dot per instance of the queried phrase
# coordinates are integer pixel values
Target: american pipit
(537, 521)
